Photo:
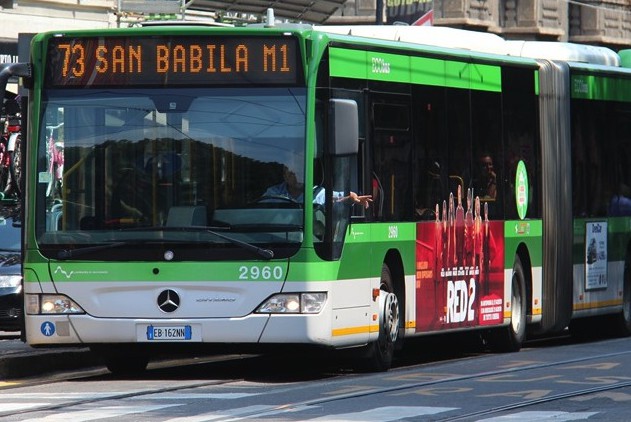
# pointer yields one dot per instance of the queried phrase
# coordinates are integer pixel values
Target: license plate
(169, 333)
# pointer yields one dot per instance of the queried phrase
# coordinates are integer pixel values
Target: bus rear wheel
(511, 338)
(380, 353)
(623, 324)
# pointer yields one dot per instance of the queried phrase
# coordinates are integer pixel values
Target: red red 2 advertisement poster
(459, 268)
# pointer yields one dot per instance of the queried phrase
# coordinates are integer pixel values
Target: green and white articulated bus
(200, 193)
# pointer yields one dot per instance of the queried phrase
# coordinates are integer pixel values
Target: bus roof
(568, 52)
(482, 42)
(439, 37)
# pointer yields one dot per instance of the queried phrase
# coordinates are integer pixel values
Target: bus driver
(292, 189)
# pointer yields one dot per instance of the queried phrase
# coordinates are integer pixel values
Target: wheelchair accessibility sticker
(48, 328)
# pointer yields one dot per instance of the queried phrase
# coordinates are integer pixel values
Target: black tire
(132, 362)
(5, 179)
(586, 329)
(130, 365)
(380, 353)
(622, 324)
(511, 338)
(16, 166)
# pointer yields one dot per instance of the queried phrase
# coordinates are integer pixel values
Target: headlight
(293, 303)
(7, 281)
(51, 305)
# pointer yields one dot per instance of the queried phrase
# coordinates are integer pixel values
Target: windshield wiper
(262, 252)
(71, 253)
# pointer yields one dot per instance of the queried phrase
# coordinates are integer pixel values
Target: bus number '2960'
(260, 273)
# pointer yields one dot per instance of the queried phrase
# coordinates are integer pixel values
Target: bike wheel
(4, 181)
(4, 176)
(15, 166)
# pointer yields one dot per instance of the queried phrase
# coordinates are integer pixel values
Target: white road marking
(385, 414)
(541, 416)
(98, 413)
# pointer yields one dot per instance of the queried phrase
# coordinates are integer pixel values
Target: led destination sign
(170, 60)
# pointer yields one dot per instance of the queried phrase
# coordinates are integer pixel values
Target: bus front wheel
(380, 353)
(130, 362)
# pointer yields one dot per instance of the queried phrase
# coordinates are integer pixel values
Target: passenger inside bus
(621, 202)
(485, 184)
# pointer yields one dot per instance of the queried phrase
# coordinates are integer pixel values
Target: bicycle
(55, 157)
(10, 150)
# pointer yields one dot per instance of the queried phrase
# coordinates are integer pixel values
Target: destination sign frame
(173, 61)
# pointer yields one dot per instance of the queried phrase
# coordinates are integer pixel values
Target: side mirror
(12, 69)
(343, 127)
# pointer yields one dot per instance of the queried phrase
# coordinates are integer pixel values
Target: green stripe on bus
(386, 232)
(347, 63)
(523, 232)
(618, 238)
(485, 77)
(360, 64)
(592, 87)
(523, 228)
(428, 71)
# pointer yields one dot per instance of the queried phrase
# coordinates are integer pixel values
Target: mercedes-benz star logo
(168, 301)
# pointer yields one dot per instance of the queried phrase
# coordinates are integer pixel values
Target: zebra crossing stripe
(379, 414)
(235, 414)
(384, 414)
(12, 407)
(202, 396)
(98, 413)
(541, 416)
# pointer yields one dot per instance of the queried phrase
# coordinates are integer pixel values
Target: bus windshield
(185, 167)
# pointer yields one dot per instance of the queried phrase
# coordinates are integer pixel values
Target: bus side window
(393, 156)
(395, 178)
(430, 190)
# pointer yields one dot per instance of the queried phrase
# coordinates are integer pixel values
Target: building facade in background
(599, 22)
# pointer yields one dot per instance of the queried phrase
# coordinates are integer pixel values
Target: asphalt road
(19, 360)
(551, 380)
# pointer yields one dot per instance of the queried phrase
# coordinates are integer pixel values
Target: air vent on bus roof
(564, 51)
(184, 23)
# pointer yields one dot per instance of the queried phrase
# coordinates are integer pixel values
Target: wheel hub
(389, 316)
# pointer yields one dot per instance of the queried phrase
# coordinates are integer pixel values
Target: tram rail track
(336, 383)
(414, 385)
(529, 403)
